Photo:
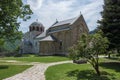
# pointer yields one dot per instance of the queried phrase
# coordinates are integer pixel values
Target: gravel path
(36, 72)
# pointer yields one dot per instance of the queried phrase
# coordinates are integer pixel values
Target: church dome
(36, 26)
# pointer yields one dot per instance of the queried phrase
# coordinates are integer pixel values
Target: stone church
(55, 40)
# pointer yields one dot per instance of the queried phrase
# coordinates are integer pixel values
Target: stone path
(36, 72)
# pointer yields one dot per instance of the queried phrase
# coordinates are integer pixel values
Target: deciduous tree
(10, 12)
(89, 47)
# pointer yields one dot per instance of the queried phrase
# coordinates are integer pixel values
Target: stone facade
(30, 44)
(64, 34)
(55, 40)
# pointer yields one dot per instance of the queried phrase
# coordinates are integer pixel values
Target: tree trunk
(118, 51)
(109, 55)
(97, 69)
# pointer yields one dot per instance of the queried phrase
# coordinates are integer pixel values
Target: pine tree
(110, 23)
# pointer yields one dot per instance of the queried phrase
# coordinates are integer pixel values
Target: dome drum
(36, 26)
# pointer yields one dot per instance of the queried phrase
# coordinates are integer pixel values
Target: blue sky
(47, 11)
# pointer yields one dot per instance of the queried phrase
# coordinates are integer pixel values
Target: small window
(37, 28)
(30, 28)
(81, 29)
(33, 28)
(41, 29)
(60, 45)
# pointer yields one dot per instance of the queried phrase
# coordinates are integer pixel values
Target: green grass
(110, 71)
(44, 59)
(10, 70)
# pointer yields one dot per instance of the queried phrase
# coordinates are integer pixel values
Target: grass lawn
(109, 70)
(10, 70)
(44, 59)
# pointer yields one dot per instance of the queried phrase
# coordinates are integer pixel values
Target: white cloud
(91, 13)
(46, 11)
(52, 10)
(35, 4)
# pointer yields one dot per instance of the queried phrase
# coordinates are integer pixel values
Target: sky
(47, 11)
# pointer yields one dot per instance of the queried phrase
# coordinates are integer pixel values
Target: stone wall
(29, 44)
(77, 29)
(65, 38)
(47, 47)
(68, 37)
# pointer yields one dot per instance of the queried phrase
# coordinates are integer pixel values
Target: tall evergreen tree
(110, 22)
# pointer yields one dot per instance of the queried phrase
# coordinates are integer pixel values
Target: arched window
(41, 29)
(30, 28)
(37, 28)
(60, 47)
(33, 28)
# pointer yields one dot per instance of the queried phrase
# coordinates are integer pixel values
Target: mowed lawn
(10, 70)
(43, 59)
(109, 70)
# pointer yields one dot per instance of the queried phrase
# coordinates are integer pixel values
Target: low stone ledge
(79, 61)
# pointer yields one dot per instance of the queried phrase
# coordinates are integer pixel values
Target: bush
(7, 54)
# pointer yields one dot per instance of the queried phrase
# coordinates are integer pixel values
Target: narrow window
(30, 28)
(37, 28)
(33, 28)
(60, 45)
(41, 29)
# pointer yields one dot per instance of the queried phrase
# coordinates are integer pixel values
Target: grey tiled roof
(48, 38)
(68, 21)
(41, 35)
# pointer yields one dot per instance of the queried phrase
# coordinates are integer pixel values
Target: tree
(10, 12)
(89, 47)
(110, 23)
(1, 44)
(14, 43)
